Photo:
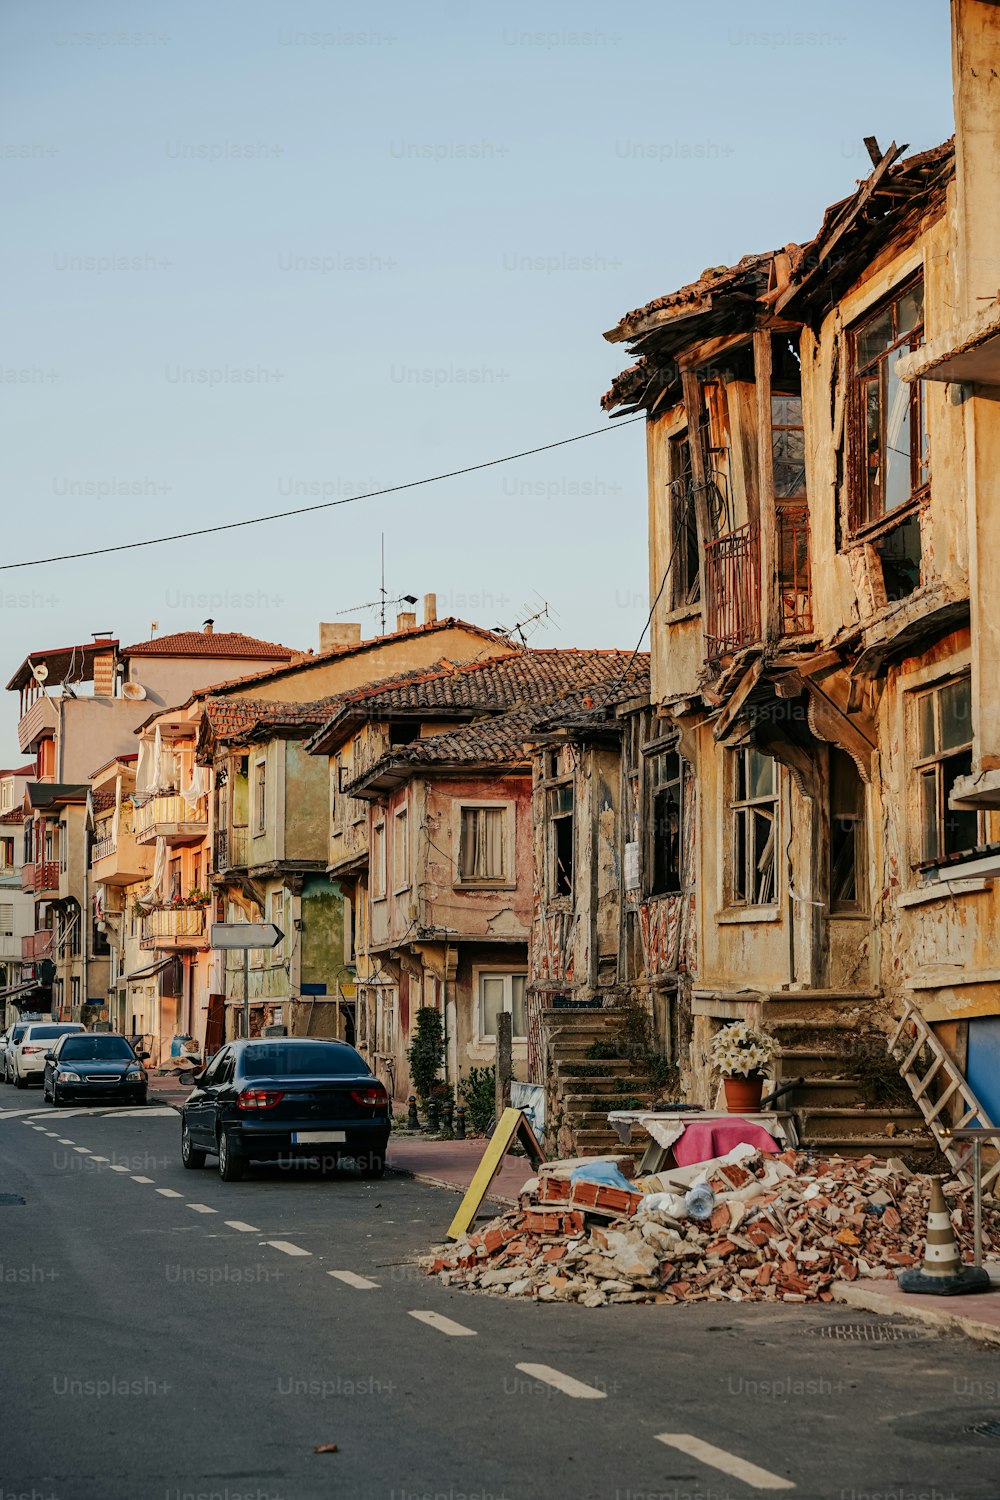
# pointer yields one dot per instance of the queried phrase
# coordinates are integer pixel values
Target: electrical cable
(284, 515)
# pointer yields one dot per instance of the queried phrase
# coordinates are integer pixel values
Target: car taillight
(256, 1099)
(372, 1097)
(26, 1050)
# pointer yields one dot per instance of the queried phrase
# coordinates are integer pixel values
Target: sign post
(244, 936)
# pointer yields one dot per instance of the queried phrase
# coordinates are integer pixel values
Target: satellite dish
(40, 673)
(133, 690)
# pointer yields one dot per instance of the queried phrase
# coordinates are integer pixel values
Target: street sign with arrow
(245, 935)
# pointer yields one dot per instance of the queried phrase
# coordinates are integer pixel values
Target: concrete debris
(783, 1229)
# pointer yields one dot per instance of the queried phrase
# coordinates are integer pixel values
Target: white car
(8, 1042)
(27, 1064)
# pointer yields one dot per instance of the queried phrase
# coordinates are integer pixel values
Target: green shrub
(426, 1052)
(603, 1049)
(478, 1093)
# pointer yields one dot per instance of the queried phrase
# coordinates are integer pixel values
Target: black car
(282, 1098)
(86, 1065)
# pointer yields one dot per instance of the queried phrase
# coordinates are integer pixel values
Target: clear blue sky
(411, 224)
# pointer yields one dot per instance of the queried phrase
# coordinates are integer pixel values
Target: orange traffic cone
(942, 1272)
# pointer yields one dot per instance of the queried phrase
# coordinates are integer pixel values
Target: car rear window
(95, 1047)
(44, 1033)
(303, 1060)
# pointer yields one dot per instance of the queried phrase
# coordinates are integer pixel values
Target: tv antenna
(523, 628)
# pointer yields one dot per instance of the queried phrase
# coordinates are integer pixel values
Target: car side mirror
(50, 1057)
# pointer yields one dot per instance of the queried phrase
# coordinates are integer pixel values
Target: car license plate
(317, 1137)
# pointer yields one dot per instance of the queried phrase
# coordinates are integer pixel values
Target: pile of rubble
(768, 1228)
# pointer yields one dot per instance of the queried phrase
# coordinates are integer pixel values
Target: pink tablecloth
(709, 1138)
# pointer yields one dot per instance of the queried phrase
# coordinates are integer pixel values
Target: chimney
(430, 608)
(406, 621)
(338, 636)
(209, 627)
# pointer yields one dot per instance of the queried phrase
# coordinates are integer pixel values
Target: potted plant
(741, 1054)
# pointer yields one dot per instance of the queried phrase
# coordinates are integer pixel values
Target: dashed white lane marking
(142, 1179)
(564, 1383)
(167, 1192)
(53, 1135)
(118, 1169)
(287, 1247)
(28, 1123)
(41, 1128)
(350, 1278)
(718, 1458)
(83, 1150)
(63, 1141)
(443, 1325)
(94, 1157)
(244, 1228)
(202, 1208)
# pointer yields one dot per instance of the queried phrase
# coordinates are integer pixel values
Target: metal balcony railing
(102, 848)
(169, 811)
(231, 845)
(732, 591)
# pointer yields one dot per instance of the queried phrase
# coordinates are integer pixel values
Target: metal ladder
(942, 1068)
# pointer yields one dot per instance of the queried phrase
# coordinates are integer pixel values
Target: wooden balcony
(40, 718)
(172, 819)
(732, 592)
(174, 929)
(794, 580)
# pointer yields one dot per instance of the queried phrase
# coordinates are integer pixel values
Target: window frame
(401, 814)
(745, 808)
(378, 887)
(491, 971)
(685, 590)
(842, 906)
(507, 806)
(862, 520)
(922, 766)
(260, 796)
(551, 781)
(654, 751)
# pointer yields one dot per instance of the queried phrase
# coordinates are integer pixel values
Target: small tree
(426, 1052)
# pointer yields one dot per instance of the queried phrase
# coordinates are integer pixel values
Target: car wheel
(19, 1082)
(58, 1102)
(45, 1091)
(231, 1164)
(372, 1165)
(191, 1156)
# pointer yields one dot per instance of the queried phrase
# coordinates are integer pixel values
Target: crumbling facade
(821, 424)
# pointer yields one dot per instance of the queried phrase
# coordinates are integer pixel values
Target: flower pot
(743, 1094)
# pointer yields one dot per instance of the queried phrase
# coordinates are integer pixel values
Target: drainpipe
(85, 918)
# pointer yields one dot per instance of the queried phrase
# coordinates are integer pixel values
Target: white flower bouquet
(739, 1050)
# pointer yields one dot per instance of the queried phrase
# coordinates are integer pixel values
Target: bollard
(449, 1119)
(460, 1123)
(433, 1113)
(412, 1119)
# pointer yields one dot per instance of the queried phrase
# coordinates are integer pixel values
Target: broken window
(899, 554)
(847, 834)
(665, 777)
(559, 800)
(684, 560)
(890, 435)
(788, 455)
(943, 736)
(753, 827)
(378, 861)
(483, 845)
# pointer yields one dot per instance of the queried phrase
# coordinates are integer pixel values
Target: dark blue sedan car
(281, 1098)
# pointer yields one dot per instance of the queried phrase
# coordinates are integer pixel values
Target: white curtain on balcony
(143, 767)
(197, 787)
(160, 885)
(117, 812)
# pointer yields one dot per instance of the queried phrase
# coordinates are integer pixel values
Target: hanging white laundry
(143, 767)
(159, 886)
(197, 787)
(118, 809)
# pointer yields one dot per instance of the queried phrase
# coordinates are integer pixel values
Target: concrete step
(807, 1062)
(611, 1015)
(866, 1145)
(846, 1122)
(617, 1067)
(582, 1111)
(824, 1090)
(611, 1088)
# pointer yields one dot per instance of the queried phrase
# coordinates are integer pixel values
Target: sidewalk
(976, 1315)
(452, 1164)
(166, 1090)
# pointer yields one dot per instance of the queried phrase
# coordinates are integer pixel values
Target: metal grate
(870, 1333)
(8, 1200)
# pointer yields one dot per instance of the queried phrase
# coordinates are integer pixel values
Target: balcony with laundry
(116, 856)
(171, 790)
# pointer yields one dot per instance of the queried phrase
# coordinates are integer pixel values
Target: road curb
(453, 1187)
(896, 1306)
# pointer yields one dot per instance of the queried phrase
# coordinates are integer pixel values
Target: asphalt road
(167, 1335)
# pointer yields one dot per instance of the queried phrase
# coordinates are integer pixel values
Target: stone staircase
(580, 1090)
(832, 1119)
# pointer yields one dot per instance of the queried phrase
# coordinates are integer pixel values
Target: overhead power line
(303, 510)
